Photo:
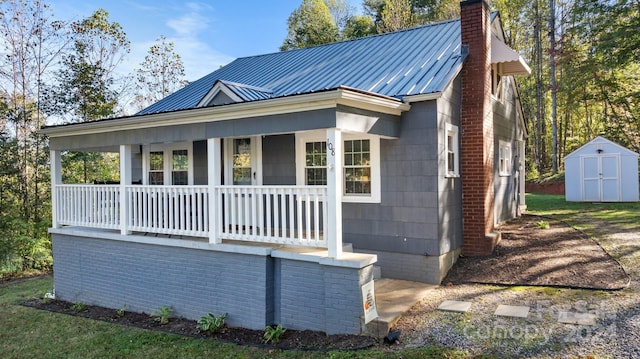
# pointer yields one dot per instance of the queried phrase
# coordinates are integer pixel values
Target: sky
(206, 34)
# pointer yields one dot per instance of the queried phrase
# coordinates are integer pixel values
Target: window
(180, 170)
(242, 161)
(156, 168)
(169, 164)
(361, 165)
(315, 169)
(357, 167)
(452, 150)
(505, 158)
(496, 82)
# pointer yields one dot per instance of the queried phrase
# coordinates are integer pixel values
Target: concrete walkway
(393, 298)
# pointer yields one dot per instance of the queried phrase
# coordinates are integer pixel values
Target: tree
(358, 26)
(86, 81)
(310, 25)
(396, 15)
(161, 73)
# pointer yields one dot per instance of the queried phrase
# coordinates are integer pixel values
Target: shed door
(600, 178)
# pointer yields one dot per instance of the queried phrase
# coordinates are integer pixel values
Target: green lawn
(581, 214)
(32, 333)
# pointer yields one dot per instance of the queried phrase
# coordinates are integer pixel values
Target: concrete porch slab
(455, 306)
(512, 311)
(393, 298)
(577, 318)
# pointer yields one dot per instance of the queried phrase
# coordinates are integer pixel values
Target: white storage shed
(601, 171)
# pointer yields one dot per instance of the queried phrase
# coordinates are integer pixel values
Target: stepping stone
(577, 318)
(454, 306)
(512, 311)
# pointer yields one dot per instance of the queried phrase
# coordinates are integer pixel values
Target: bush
(211, 323)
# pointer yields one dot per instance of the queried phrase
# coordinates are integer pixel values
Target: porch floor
(394, 297)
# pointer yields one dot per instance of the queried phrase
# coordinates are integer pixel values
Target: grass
(623, 215)
(28, 332)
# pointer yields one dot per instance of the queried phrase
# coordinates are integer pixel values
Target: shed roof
(416, 61)
(598, 142)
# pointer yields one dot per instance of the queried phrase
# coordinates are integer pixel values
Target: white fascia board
(281, 105)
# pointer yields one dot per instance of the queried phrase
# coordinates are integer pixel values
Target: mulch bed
(559, 256)
(292, 339)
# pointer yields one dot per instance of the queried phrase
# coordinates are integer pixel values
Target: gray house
(271, 188)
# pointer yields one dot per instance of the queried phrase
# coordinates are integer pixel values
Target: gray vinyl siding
(506, 128)
(279, 160)
(200, 163)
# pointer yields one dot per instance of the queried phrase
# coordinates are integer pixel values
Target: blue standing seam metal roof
(416, 61)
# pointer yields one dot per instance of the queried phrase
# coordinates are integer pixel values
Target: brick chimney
(477, 141)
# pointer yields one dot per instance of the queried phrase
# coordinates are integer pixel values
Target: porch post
(334, 192)
(214, 173)
(56, 179)
(125, 180)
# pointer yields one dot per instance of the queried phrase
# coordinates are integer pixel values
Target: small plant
(543, 224)
(211, 323)
(47, 297)
(161, 315)
(79, 307)
(120, 312)
(273, 334)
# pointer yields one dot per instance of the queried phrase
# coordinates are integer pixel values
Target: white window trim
(167, 150)
(321, 135)
(498, 80)
(454, 131)
(256, 160)
(504, 145)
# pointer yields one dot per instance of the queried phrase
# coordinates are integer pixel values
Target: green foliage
(310, 25)
(396, 15)
(358, 26)
(161, 314)
(121, 312)
(79, 307)
(542, 224)
(211, 323)
(273, 334)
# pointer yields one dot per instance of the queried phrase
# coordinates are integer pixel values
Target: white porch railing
(88, 205)
(270, 214)
(273, 214)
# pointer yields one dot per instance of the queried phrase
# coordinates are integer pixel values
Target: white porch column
(334, 192)
(56, 179)
(125, 180)
(214, 173)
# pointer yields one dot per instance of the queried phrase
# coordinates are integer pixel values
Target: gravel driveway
(616, 332)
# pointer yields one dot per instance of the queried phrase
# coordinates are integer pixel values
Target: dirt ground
(559, 256)
(527, 255)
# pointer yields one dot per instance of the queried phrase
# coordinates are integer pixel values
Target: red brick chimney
(477, 151)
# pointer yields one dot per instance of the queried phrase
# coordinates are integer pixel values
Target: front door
(243, 161)
(243, 167)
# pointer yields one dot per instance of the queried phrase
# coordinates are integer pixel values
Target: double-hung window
(452, 150)
(504, 158)
(361, 165)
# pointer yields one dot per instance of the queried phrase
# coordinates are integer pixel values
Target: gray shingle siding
(506, 128)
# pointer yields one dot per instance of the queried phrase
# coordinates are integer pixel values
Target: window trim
(167, 151)
(454, 131)
(320, 136)
(504, 145)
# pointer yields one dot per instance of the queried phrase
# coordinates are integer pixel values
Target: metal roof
(416, 61)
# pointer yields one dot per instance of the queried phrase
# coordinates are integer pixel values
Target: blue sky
(207, 34)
